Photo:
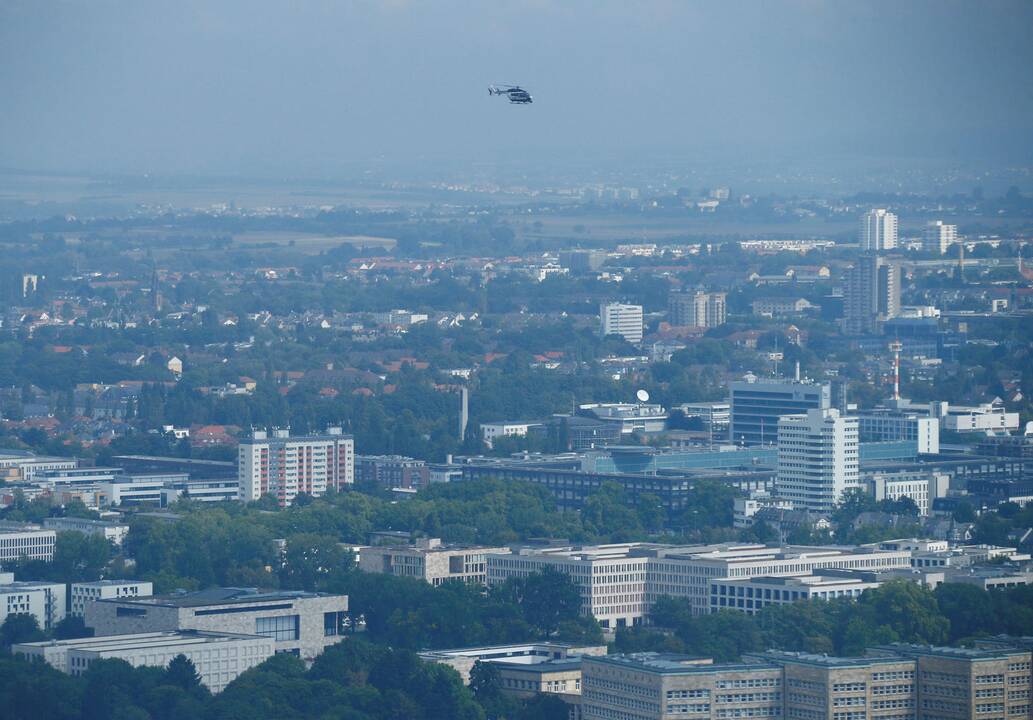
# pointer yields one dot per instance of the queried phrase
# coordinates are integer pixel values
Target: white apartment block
(922, 487)
(620, 582)
(29, 542)
(284, 466)
(86, 592)
(818, 459)
(697, 309)
(430, 561)
(623, 320)
(218, 657)
(44, 601)
(939, 236)
(878, 231)
(113, 532)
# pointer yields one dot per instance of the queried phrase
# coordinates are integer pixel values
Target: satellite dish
(642, 396)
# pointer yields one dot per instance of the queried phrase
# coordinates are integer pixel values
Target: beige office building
(429, 560)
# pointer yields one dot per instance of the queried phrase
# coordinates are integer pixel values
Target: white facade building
(878, 231)
(752, 595)
(429, 560)
(113, 532)
(623, 320)
(29, 542)
(619, 583)
(882, 424)
(490, 431)
(745, 508)
(284, 466)
(44, 601)
(218, 657)
(818, 459)
(939, 236)
(86, 592)
(922, 487)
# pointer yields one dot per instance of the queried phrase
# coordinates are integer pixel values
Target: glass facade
(281, 628)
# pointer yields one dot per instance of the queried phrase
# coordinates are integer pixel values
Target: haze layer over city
(516, 361)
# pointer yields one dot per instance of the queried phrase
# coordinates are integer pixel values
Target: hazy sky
(228, 86)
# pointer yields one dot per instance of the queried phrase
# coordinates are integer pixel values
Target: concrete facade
(430, 561)
(218, 657)
(300, 623)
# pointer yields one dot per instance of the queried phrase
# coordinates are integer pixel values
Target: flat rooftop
(219, 596)
(492, 652)
(674, 664)
(141, 641)
(959, 653)
(107, 583)
(804, 658)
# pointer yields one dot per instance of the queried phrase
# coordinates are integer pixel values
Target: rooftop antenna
(797, 371)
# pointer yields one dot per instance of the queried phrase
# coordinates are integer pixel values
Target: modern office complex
(218, 657)
(871, 294)
(939, 236)
(26, 542)
(754, 594)
(887, 423)
(284, 466)
(430, 561)
(698, 309)
(80, 594)
(758, 403)
(878, 231)
(623, 320)
(620, 582)
(901, 417)
(301, 623)
(818, 459)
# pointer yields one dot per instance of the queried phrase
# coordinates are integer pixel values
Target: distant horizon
(268, 89)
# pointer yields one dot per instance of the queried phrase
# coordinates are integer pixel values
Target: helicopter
(516, 94)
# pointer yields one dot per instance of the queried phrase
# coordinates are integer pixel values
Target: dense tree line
(353, 680)
(898, 611)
